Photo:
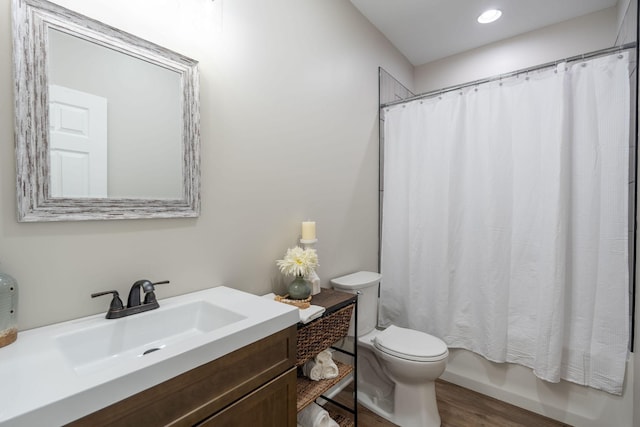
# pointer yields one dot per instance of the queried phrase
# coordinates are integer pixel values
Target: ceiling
(426, 30)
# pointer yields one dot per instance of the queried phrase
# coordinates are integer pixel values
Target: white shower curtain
(505, 226)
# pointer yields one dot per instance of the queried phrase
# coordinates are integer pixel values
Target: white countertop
(39, 385)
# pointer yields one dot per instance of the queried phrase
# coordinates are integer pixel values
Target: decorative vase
(8, 309)
(299, 288)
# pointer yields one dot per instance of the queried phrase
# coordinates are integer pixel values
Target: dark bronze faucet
(117, 309)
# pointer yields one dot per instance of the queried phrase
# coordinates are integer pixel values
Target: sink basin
(58, 373)
(110, 343)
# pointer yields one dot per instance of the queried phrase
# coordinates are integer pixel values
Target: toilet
(397, 367)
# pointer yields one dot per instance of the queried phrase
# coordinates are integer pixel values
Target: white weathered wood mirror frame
(32, 20)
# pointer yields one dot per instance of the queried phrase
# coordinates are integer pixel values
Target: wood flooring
(460, 407)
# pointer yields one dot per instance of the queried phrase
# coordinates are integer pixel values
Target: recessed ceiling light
(489, 16)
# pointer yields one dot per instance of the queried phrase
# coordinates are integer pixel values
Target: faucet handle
(150, 296)
(116, 302)
(151, 285)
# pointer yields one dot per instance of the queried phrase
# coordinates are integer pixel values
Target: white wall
(567, 402)
(289, 132)
(584, 34)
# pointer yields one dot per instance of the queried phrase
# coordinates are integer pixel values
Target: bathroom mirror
(106, 124)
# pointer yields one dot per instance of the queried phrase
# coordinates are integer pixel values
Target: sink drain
(151, 350)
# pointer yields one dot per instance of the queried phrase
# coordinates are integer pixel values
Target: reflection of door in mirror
(78, 143)
(144, 146)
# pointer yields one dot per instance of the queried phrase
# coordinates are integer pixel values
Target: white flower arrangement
(298, 262)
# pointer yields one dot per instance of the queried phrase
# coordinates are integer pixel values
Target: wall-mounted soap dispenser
(8, 309)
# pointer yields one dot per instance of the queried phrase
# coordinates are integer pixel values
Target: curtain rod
(593, 54)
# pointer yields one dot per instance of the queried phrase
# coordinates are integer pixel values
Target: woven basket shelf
(322, 333)
(309, 390)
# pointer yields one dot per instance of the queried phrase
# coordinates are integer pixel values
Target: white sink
(55, 374)
(112, 342)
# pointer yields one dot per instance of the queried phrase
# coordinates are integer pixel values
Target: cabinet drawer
(195, 395)
(272, 405)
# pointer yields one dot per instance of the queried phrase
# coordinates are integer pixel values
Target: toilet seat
(410, 344)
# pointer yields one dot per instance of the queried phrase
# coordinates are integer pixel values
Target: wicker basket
(322, 333)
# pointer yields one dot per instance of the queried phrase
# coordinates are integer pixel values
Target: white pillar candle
(308, 230)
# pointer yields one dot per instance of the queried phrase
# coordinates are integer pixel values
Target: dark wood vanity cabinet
(269, 406)
(253, 386)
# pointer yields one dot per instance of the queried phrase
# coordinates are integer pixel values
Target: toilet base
(408, 398)
(407, 405)
(427, 417)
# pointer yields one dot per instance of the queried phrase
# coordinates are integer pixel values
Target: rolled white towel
(314, 416)
(329, 370)
(312, 370)
(328, 367)
(324, 356)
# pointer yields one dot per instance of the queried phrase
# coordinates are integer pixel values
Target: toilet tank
(365, 283)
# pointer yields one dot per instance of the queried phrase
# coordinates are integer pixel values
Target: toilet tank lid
(358, 280)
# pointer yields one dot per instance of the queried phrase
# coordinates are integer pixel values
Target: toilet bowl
(397, 367)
